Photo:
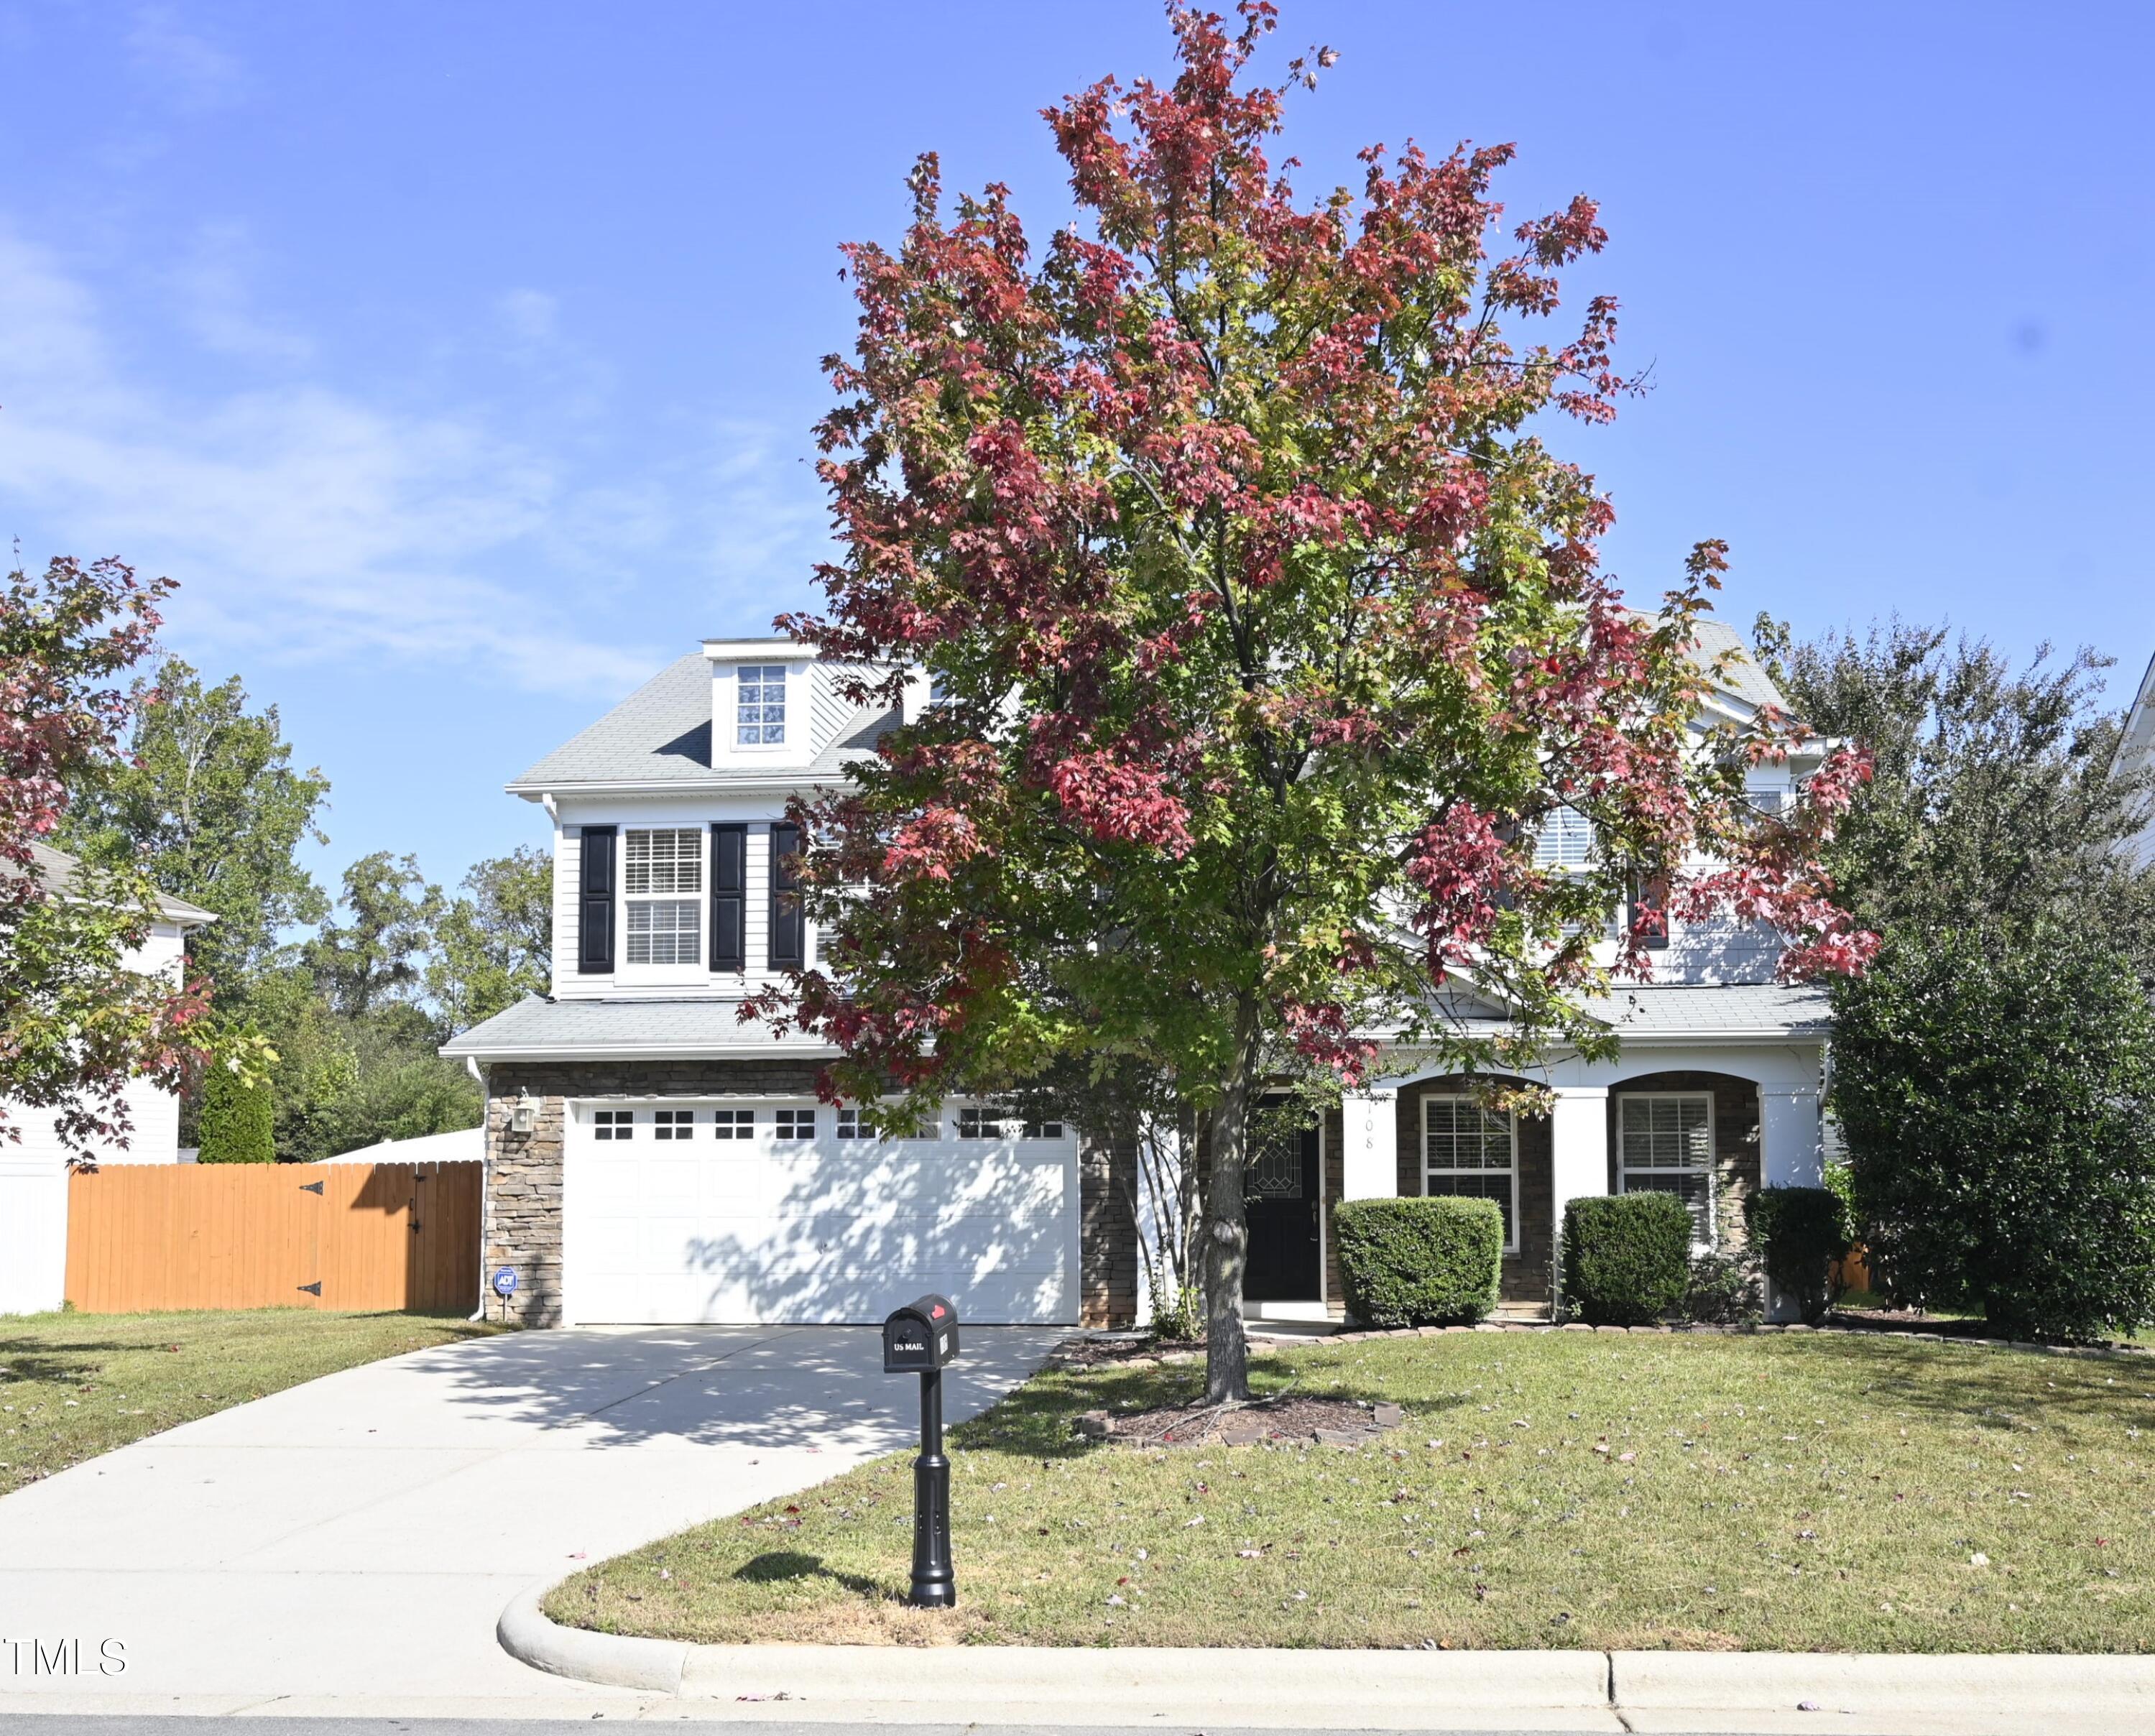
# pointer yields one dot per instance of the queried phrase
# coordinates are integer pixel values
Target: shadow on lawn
(1995, 1389)
(1040, 1419)
(780, 1567)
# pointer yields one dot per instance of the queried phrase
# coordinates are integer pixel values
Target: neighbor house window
(1469, 1153)
(759, 712)
(662, 881)
(1666, 1145)
(1564, 839)
(733, 1123)
(614, 1124)
(673, 1123)
(794, 1124)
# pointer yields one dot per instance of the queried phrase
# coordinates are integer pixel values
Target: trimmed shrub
(1723, 1291)
(238, 1124)
(1799, 1232)
(1627, 1257)
(1419, 1263)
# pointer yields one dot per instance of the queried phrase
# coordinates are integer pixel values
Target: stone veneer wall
(1107, 1233)
(523, 1222)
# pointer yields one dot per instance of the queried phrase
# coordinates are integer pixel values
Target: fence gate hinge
(310, 1187)
(313, 1289)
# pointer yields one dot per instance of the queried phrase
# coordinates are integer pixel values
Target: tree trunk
(1227, 1239)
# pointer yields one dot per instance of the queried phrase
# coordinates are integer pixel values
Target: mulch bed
(1290, 1420)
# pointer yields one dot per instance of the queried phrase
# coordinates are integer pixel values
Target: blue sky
(459, 360)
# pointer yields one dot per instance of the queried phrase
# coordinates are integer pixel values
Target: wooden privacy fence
(321, 1236)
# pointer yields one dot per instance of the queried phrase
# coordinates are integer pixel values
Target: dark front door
(1280, 1191)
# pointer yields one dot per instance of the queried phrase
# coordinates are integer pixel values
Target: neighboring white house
(651, 1158)
(33, 1168)
(2136, 751)
(462, 1145)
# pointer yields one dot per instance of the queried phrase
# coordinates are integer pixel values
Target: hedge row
(1625, 1259)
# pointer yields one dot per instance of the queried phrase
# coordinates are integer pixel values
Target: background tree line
(355, 992)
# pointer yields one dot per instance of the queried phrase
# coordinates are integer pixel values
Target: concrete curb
(1342, 1689)
(611, 1660)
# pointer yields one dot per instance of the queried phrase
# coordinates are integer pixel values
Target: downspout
(485, 1172)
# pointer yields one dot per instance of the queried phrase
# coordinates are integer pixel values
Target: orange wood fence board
(208, 1236)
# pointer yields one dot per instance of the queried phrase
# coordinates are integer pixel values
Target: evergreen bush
(239, 1122)
(1799, 1232)
(1627, 1257)
(1419, 1263)
(1998, 1102)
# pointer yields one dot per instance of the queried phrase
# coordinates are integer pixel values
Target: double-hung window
(1472, 1153)
(1563, 840)
(663, 881)
(760, 714)
(1665, 1144)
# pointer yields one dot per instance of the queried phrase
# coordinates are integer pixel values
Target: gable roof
(57, 869)
(661, 733)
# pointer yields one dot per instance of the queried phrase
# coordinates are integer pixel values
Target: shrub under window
(1419, 1263)
(1627, 1257)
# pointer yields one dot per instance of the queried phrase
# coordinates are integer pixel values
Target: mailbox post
(921, 1337)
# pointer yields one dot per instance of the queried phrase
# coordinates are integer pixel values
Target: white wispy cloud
(306, 521)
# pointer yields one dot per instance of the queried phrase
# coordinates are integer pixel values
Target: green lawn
(1774, 1492)
(75, 1386)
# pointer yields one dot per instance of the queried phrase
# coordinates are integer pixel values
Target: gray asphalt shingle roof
(662, 734)
(693, 1027)
(601, 1029)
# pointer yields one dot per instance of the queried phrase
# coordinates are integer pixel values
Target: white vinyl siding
(1469, 1152)
(1665, 1144)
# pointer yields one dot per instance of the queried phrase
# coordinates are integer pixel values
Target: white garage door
(735, 1210)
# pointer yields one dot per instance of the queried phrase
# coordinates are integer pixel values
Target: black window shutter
(595, 904)
(729, 898)
(788, 927)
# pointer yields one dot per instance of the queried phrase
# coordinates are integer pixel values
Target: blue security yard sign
(504, 1282)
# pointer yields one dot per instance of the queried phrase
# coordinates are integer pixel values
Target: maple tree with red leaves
(1264, 629)
(77, 1023)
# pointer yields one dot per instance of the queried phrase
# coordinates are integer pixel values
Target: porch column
(1579, 1146)
(1791, 1151)
(1369, 1143)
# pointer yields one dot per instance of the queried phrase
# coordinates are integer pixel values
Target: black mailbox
(920, 1339)
(921, 1336)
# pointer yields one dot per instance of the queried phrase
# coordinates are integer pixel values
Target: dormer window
(759, 709)
(663, 874)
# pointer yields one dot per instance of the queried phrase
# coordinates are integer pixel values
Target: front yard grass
(1839, 1492)
(75, 1386)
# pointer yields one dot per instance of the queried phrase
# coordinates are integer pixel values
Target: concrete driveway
(356, 1537)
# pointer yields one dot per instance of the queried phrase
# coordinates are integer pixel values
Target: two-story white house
(652, 1158)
